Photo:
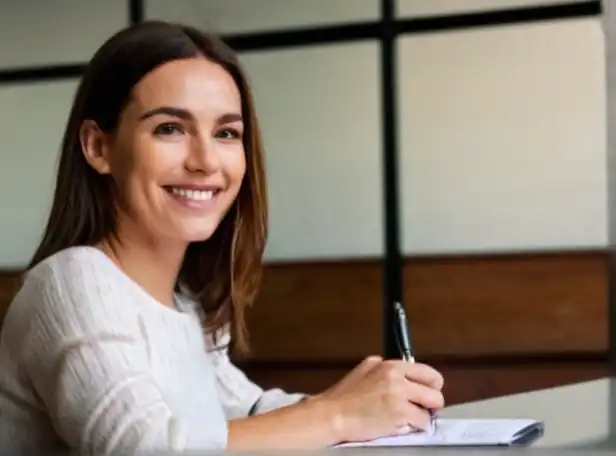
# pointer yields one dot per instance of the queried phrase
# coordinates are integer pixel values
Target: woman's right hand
(378, 398)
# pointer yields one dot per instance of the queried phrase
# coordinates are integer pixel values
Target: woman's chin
(199, 235)
(191, 232)
(198, 239)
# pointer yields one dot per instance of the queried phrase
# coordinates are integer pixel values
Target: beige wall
(501, 129)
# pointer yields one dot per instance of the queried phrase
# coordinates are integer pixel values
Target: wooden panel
(318, 311)
(467, 382)
(509, 304)
(314, 321)
(310, 379)
(9, 282)
(458, 306)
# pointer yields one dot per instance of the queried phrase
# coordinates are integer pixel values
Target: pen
(404, 344)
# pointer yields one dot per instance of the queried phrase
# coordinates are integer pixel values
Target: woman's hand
(379, 397)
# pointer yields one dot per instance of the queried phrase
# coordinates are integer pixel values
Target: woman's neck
(154, 266)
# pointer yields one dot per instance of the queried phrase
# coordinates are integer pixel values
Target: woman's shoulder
(76, 270)
(80, 260)
(75, 284)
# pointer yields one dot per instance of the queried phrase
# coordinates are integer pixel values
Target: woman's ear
(94, 144)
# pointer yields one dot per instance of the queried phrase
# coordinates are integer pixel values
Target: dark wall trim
(339, 33)
(308, 36)
(334, 34)
(42, 74)
(136, 11)
(499, 18)
(492, 360)
(393, 266)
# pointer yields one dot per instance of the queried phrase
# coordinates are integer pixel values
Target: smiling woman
(117, 341)
(157, 154)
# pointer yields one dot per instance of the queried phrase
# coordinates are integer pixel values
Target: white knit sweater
(92, 363)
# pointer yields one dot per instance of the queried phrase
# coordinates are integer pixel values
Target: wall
(501, 129)
(502, 155)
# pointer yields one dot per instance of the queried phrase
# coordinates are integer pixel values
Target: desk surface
(576, 422)
(575, 415)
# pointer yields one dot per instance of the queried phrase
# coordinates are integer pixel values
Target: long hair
(222, 273)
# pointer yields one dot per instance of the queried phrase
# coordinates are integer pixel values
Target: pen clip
(402, 338)
(398, 336)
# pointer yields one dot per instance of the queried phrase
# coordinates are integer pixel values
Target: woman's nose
(203, 157)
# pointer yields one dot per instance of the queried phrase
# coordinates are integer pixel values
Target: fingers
(403, 430)
(410, 417)
(415, 383)
(424, 396)
(421, 373)
(389, 395)
(417, 417)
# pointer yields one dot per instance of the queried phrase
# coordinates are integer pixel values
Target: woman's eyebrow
(230, 118)
(170, 111)
(187, 115)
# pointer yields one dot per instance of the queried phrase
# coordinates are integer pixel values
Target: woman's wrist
(309, 424)
(327, 412)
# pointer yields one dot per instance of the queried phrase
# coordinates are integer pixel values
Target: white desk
(576, 419)
(573, 414)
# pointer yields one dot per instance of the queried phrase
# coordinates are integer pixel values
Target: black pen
(404, 343)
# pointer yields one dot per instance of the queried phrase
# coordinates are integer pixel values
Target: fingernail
(403, 430)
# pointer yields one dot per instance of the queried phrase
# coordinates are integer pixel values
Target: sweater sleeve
(82, 349)
(239, 395)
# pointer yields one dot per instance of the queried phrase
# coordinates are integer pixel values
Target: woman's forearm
(309, 424)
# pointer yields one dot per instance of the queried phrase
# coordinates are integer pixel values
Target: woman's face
(177, 156)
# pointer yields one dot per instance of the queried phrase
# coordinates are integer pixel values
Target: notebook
(472, 432)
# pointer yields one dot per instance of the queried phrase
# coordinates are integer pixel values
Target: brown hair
(223, 272)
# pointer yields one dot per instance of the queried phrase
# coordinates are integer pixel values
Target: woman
(155, 238)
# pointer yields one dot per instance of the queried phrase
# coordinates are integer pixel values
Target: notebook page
(457, 432)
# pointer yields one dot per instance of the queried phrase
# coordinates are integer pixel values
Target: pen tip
(397, 306)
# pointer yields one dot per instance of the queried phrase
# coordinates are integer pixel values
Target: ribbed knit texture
(90, 362)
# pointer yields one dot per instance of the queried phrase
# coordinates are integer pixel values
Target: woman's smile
(194, 197)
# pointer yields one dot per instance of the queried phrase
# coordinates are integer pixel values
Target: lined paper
(458, 432)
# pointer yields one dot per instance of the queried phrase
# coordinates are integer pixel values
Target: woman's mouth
(192, 194)
(197, 198)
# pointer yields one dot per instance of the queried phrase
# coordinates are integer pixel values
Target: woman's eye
(229, 133)
(168, 129)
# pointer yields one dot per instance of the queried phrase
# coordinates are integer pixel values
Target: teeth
(196, 195)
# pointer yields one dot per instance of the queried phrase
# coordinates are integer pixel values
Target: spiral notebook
(472, 432)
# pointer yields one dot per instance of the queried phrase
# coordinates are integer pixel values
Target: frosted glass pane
(237, 16)
(320, 118)
(503, 138)
(30, 142)
(36, 33)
